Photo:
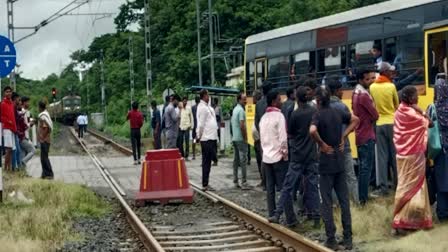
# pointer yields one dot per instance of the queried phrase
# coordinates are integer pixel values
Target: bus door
(261, 72)
(260, 77)
(436, 49)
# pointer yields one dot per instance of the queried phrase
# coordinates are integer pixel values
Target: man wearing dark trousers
(207, 134)
(156, 125)
(135, 118)
(326, 130)
(45, 127)
(274, 142)
(194, 110)
(303, 163)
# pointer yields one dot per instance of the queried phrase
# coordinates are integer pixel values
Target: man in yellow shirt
(385, 95)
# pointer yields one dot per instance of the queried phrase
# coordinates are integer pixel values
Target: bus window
(409, 60)
(332, 62)
(304, 63)
(278, 71)
(437, 56)
(390, 50)
(250, 77)
(365, 54)
(260, 72)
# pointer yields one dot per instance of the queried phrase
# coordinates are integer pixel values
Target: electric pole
(10, 13)
(210, 31)
(131, 68)
(148, 57)
(103, 88)
(198, 23)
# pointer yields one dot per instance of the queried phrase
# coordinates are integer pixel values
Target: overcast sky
(48, 51)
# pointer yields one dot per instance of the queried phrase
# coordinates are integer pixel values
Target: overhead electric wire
(52, 18)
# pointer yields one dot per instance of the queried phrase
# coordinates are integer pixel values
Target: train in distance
(66, 110)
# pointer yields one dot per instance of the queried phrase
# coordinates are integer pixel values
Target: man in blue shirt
(239, 139)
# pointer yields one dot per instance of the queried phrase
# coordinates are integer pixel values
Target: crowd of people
(303, 150)
(16, 123)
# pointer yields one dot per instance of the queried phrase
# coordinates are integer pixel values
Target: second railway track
(227, 226)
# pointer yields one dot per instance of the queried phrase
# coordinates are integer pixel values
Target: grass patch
(433, 240)
(372, 230)
(45, 224)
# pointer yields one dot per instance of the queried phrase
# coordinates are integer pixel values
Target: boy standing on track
(44, 135)
(326, 130)
(81, 125)
(274, 142)
(135, 118)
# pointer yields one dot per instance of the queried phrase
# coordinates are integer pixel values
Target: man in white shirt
(207, 134)
(81, 124)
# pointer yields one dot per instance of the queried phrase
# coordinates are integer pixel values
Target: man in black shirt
(303, 162)
(156, 126)
(288, 105)
(260, 107)
(326, 130)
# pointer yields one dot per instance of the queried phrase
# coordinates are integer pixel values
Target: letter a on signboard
(6, 49)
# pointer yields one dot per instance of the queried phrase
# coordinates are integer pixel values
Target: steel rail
(282, 237)
(137, 225)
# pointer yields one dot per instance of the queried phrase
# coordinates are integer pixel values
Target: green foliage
(174, 49)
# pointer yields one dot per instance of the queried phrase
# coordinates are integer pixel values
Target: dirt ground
(63, 143)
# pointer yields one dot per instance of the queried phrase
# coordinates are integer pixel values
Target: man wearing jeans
(326, 130)
(239, 140)
(23, 125)
(303, 163)
(364, 108)
(207, 134)
(274, 142)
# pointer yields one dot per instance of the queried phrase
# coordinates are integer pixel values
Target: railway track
(238, 230)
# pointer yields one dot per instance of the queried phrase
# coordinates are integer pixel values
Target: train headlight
(66, 108)
(77, 107)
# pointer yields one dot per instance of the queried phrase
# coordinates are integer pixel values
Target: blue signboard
(7, 56)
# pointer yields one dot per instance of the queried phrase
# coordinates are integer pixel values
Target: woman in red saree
(412, 210)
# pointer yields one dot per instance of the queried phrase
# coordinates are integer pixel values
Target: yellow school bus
(411, 34)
